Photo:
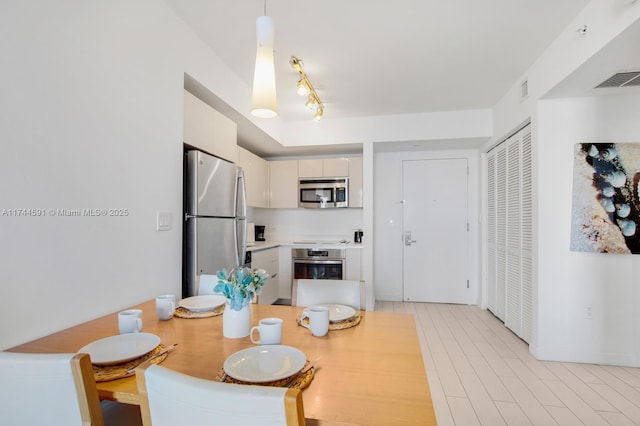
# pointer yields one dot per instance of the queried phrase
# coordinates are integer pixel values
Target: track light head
(310, 102)
(302, 88)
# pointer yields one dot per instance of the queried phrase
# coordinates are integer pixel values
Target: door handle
(407, 239)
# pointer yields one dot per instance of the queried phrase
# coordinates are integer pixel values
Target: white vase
(236, 324)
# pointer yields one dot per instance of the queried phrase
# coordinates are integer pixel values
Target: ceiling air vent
(621, 79)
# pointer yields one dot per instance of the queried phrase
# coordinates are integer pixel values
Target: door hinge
(467, 226)
(467, 283)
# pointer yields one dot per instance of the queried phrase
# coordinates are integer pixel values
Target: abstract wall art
(606, 205)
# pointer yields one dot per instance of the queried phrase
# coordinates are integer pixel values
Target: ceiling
(369, 57)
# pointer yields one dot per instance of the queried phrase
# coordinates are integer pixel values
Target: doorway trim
(387, 223)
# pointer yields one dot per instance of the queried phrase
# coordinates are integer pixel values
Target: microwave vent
(621, 79)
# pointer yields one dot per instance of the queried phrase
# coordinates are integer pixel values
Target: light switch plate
(164, 221)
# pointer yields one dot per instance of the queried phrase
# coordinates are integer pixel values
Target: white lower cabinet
(286, 273)
(353, 264)
(269, 260)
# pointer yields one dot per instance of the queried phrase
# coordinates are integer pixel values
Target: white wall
(568, 281)
(390, 128)
(308, 224)
(92, 118)
(388, 217)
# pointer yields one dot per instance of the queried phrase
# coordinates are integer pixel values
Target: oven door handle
(318, 262)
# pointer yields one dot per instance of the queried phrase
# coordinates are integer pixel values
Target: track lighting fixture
(313, 99)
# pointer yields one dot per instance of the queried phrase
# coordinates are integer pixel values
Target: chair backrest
(314, 292)
(48, 389)
(206, 283)
(169, 398)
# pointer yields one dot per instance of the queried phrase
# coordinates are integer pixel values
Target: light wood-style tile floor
(480, 373)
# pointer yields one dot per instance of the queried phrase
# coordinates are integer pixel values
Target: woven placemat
(300, 382)
(340, 325)
(104, 373)
(181, 312)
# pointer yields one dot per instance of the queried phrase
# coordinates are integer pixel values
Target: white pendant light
(263, 99)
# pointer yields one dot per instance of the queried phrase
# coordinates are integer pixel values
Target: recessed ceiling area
(370, 59)
(385, 58)
(620, 55)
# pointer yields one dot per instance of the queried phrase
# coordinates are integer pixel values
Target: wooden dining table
(370, 374)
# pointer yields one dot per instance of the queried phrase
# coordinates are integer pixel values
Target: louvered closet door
(501, 231)
(513, 311)
(510, 233)
(491, 232)
(527, 235)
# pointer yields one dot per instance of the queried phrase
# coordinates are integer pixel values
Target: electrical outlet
(588, 313)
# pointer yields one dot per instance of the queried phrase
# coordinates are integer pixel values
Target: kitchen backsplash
(307, 224)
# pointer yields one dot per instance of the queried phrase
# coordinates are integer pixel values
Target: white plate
(204, 303)
(120, 348)
(264, 363)
(338, 312)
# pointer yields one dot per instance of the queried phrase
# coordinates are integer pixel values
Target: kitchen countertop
(264, 245)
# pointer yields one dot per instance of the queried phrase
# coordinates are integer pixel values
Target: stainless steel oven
(318, 263)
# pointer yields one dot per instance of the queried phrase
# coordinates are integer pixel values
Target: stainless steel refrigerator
(215, 207)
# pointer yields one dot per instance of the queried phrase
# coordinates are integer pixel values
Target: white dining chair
(55, 389)
(170, 398)
(314, 292)
(206, 283)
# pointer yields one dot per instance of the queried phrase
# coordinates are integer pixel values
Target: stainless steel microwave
(323, 193)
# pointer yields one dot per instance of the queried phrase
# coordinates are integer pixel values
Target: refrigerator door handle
(241, 214)
(242, 194)
(241, 248)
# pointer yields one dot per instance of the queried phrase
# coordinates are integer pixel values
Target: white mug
(130, 321)
(318, 319)
(270, 330)
(165, 306)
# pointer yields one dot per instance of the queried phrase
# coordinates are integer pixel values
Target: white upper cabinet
(355, 182)
(283, 184)
(309, 168)
(225, 137)
(334, 167)
(198, 123)
(208, 130)
(256, 175)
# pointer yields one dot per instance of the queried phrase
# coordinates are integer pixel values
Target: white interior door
(435, 256)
